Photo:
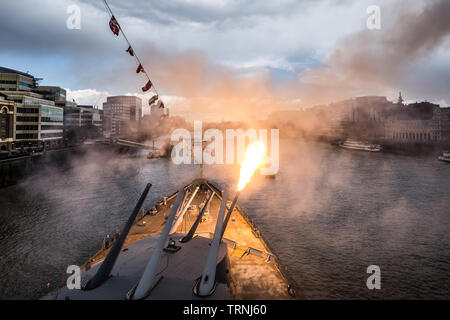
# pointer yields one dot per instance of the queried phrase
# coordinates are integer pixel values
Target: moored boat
(445, 156)
(359, 145)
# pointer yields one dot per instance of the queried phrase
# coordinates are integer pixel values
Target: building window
(8, 82)
(21, 136)
(44, 127)
(27, 110)
(51, 135)
(31, 102)
(27, 119)
(51, 112)
(25, 84)
(51, 119)
(26, 127)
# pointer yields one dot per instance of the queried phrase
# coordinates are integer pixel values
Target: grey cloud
(176, 11)
(377, 61)
(250, 36)
(27, 27)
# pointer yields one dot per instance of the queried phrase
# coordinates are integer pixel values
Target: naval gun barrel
(191, 232)
(145, 283)
(179, 219)
(106, 267)
(230, 211)
(206, 285)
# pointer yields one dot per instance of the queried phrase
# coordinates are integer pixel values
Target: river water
(328, 215)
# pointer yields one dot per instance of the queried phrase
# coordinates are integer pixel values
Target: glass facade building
(121, 115)
(38, 119)
(37, 122)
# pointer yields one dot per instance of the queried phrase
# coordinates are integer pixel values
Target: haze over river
(328, 215)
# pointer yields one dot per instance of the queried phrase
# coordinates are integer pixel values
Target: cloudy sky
(207, 56)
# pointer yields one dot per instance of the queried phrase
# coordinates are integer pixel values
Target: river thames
(328, 215)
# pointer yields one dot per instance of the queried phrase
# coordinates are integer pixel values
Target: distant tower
(400, 99)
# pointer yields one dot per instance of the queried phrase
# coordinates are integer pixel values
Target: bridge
(138, 145)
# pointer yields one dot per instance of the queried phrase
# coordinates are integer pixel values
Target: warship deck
(253, 273)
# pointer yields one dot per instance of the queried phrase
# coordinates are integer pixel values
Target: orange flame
(254, 156)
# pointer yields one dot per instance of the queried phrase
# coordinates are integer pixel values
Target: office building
(6, 123)
(444, 123)
(13, 80)
(83, 116)
(37, 122)
(415, 122)
(121, 115)
(53, 93)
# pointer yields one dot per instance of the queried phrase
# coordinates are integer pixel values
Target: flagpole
(111, 14)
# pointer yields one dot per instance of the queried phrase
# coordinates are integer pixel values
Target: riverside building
(78, 116)
(6, 123)
(121, 115)
(37, 122)
(417, 122)
(13, 80)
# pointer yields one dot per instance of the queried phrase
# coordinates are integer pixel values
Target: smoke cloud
(368, 62)
(376, 61)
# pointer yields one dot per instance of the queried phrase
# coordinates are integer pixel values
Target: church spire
(400, 98)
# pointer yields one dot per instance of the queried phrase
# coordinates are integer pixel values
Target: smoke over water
(368, 62)
(205, 90)
(376, 61)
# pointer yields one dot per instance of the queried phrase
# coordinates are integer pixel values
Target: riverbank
(15, 170)
(416, 148)
(399, 148)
